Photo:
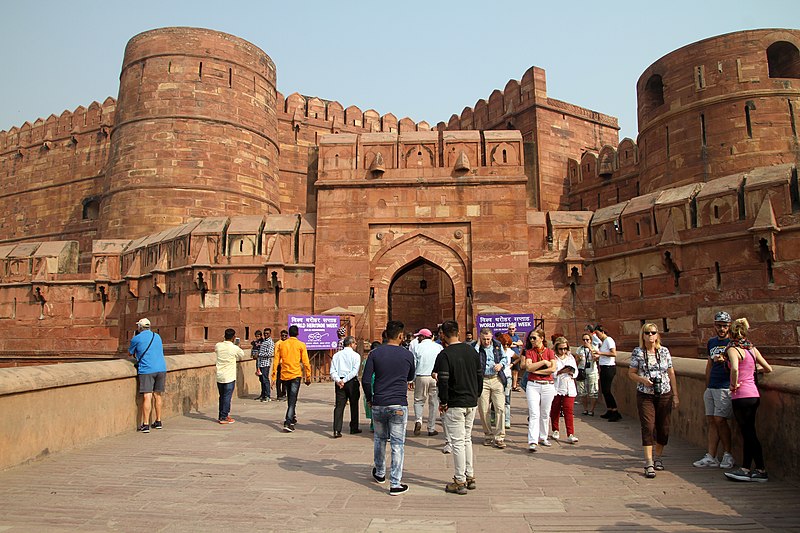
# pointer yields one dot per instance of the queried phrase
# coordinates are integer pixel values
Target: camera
(657, 384)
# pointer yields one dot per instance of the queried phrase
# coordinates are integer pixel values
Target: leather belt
(542, 382)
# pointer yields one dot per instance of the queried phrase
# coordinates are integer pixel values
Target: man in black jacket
(460, 381)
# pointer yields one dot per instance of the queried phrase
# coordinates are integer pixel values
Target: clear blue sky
(426, 60)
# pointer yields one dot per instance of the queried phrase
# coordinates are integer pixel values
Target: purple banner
(317, 331)
(500, 323)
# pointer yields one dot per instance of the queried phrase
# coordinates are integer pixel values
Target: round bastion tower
(195, 133)
(718, 107)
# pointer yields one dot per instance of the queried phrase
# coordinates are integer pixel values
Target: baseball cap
(143, 323)
(425, 332)
(722, 316)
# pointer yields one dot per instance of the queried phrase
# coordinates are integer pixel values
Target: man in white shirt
(607, 363)
(227, 354)
(425, 391)
(344, 373)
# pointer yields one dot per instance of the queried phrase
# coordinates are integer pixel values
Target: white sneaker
(555, 435)
(727, 461)
(532, 447)
(544, 442)
(572, 439)
(707, 461)
(447, 448)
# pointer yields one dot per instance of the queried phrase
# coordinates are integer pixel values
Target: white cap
(143, 323)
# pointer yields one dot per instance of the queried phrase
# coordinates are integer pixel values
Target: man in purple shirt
(393, 367)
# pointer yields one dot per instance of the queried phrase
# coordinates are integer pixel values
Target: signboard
(500, 323)
(317, 331)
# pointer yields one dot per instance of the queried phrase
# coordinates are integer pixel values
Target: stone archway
(398, 257)
(421, 295)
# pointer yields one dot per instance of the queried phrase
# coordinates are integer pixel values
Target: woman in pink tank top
(744, 359)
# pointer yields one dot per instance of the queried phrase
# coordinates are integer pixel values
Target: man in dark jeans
(227, 353)
(393, 367)
(292, 358)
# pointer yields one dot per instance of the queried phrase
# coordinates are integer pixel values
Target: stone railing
(51, 408)
(778, 419)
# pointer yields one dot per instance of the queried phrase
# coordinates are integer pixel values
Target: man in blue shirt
(717, 397)
(344, 374)
(148, 349)
(393, 367)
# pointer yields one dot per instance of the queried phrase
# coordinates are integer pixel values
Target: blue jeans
(225, 395)
(264, 379)
(292, 387)
(390, 425)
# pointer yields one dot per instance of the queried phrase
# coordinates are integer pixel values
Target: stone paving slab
(196, 475)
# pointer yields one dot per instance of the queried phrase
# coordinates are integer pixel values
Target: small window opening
(740, 201)
(666, 135)
(505, 157)
(716, 212)
(91, 209)
(703, 130)
(609, 288)
(239, 297)
(717, 275)
(637, 189)
(205, 333)
(230, 77)
(749, 106)
(72, 307)
(693, 212)
(241, 245)
(176, 333)
(665, 325)
(247, 333)
(792, 120)
(200, 71)
(641, 285)
(653, 93)
(700, 77)
(638, 230)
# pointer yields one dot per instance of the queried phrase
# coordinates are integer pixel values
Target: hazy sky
(426, 60)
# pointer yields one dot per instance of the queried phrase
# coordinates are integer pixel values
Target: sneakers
(727, 461)
(500, 444)
(396, 491)
(709, 460)
(376, 477)
(532, 447)
(144, 428)
(471, 483)
(759, 476)
(433, 433)
(555, 435)
(447, 448)
(572, 439)
(456, 488)
(288, 428)
(227, 420)
(157, 425)
(740, 474)
(417, 428)
(545, 442)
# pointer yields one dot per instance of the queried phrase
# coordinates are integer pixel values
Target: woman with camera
(656, 394)
(744, 359)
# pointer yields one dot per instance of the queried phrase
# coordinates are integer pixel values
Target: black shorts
(152, 382)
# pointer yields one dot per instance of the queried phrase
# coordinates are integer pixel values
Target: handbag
(581, 375)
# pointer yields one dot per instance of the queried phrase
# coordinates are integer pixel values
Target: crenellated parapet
(377, 156)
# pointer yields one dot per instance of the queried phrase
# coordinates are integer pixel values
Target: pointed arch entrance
(395, 266)
(421, 295)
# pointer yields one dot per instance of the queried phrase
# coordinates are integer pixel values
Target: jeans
(566, 404)
(507, 392)
(458, 421)
(292, 388)
(390, 425)
(264, 379)
(225, 395)
(540, 398)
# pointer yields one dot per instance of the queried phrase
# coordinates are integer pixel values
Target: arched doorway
(421, 295)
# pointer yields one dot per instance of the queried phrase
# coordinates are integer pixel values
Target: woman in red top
(540, 363)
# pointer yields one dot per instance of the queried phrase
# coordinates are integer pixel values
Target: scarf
(742, 343)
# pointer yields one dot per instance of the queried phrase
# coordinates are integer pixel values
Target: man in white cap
(424, 385)
(148, 349)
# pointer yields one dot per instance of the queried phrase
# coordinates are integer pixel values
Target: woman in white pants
(539, 361)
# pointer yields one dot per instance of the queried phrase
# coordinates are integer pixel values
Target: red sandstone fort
(203, 198)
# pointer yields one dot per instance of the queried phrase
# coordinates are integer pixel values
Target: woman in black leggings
(744, 358)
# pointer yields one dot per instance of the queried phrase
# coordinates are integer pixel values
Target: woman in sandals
(656, 394)
(539, 362)
(744, 358)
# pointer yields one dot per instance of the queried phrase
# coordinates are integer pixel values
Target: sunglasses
(564, 349)
(651, 333)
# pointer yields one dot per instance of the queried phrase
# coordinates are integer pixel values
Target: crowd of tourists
(454, 380)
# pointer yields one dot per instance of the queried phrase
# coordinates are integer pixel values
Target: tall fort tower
(195, 133)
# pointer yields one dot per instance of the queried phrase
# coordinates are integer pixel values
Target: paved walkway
(196, 475)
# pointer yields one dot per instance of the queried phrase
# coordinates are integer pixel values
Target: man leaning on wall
(151, 367)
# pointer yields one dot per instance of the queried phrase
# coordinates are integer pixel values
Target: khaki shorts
(718, 403)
